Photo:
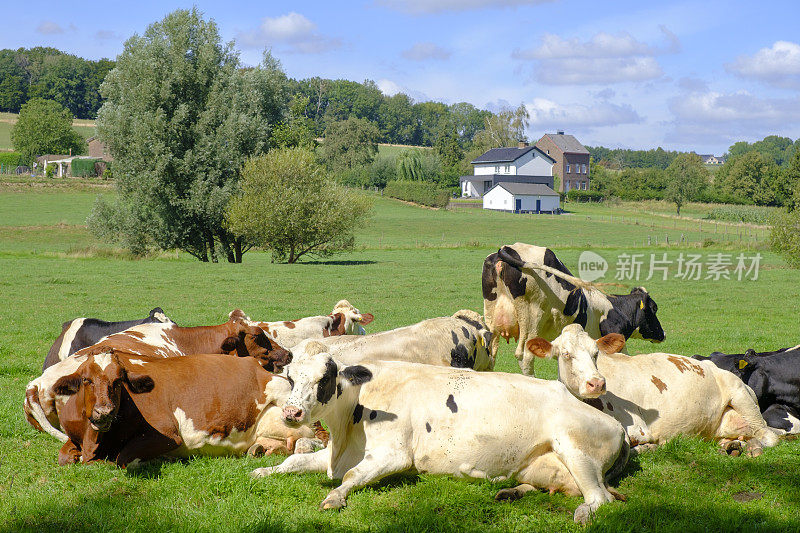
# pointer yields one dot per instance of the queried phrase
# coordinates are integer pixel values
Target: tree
(752, 178)
(448, 148)
(180, 119)
(45, 127)
(409, 165)
(297, 129)
(687, 177)
(290, 206)
(505, 128)
(784, 237)
(793, 182)
(350, 143)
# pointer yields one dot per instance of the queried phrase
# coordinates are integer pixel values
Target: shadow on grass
(340, 263)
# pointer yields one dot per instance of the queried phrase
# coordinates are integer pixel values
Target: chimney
(560, 132)
(522, 144)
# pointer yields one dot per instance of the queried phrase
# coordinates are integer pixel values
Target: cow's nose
(292, 413)
(596, 386)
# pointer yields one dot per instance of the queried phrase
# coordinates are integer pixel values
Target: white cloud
(426, 51)
(293, 31)
(548, 114)
(778, 65)
(604, 58)
(48, 27)
(693, 85)
(738, 110)
(418, 7)
(388, 87)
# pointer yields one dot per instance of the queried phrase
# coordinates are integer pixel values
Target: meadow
(410, 264)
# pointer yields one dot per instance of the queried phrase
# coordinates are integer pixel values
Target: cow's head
(317, 381)
(102, 377)
(157, 315)
(248, 340)
(577, 358)
(347, 320)
(645, 320)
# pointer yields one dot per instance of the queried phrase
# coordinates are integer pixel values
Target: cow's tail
(34, 413)
(522, 265)
(619, 464)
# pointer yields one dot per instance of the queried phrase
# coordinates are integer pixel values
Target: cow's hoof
(754, 448)
(263, 472)
(583, 514)
(306, 445)
(734, 448)
(256, 450)
(641, 448)
(333, 501)
(508, 495)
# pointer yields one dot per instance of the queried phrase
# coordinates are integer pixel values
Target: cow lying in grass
(125, 409)
(235, 337)
(656, 396)
(389, 417)
(343, 320)
(459, 341)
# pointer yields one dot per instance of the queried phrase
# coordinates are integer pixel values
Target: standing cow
(528, 292)
(82, 332)
(389, 417)
(775, 380)
(656, 396)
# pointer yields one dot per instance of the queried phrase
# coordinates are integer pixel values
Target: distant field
(393, 150)
(410, 264)
(85, 128)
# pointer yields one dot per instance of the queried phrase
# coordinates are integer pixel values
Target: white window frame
(567, 172)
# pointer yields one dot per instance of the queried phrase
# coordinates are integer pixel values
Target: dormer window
(497, 169)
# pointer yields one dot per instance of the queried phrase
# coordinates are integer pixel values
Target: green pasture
(411, 263)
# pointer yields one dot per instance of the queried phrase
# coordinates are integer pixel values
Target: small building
(98, 150)
(710, 159)
(523, 164)
(522, 198)
(571, 160)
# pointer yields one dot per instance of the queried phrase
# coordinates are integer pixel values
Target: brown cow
(124, 408)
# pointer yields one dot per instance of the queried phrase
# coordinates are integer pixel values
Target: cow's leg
(782, 417)
(298, 463)
(743, 400)
(268, 446)
(589, 479)
(547, 472)
(146, 448)
(375, 465)
(69, 454)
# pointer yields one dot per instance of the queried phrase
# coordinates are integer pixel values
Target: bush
(742, 213)
(785, 236)
(84, 167)
(576, 195)
(420, 192)
(51, 171)
(11, 159)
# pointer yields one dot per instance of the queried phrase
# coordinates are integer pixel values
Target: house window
(487, 185)
(508, 169)
(567, 168)
(497, 169)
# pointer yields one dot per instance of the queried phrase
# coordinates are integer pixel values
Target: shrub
(10, 159)
(785, 236)
(742, 213)
(84, 167)
(420, 192)
(51, 171)
(576, 195)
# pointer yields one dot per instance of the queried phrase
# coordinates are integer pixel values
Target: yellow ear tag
(480, 340)
(742, 364)
(641, 305)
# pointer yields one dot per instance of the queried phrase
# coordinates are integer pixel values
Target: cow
(774, 377)
(460, 341)
(528, 293)
(82, 332)
(235, 337)
(656, 396)
(387, 417)
(343, 320)
(125, 409)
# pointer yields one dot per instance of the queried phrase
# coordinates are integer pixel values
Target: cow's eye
(566, 355)
(86, 381)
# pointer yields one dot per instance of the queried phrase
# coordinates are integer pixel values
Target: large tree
(505, 128)
(290, 206)
(753, 177)
(45, 127)
(349, 144)
(687, 177)
(180, 119)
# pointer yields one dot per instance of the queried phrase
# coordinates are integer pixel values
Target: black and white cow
(79, 333)
(525, 301)
(774, 377)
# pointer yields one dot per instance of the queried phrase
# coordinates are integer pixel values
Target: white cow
(389, 417)
(656, 396)
(459, 341)
(343, 320)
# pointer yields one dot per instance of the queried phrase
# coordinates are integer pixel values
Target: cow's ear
(67, 385)
(139, 383)
(366, 318)
(540, 347)
(338, 324)
(356, 374)
(229, 344)
(611, 343)
(237, 315)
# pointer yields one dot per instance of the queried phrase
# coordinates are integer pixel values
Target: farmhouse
(710, 159)
(523, 164)
(98, 150)
(522, 198)
(571, 160)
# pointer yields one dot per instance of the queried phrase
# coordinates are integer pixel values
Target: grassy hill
(7, 120)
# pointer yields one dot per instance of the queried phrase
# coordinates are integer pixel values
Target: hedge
(420, 192)
(83, 167)
(10, 160)
(576, 195)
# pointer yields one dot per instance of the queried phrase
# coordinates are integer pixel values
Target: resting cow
(459, 341)
(343, 320)
(123, 409)
(656, 396)
(389, 417)
(775, 380)
(82, 332)
(523, 301)
(235, 337)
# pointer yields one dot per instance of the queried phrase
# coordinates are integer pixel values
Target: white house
(524, 164)
(522, 198)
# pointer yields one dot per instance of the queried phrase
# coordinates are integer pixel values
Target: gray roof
(567, 143)
(536, 189)
(506, 155)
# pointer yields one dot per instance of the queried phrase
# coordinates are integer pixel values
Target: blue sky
(685, 75)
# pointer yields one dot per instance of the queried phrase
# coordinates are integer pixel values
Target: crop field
(410, 264)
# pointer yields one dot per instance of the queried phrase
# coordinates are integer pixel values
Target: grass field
(411, 264)
(7, 120)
